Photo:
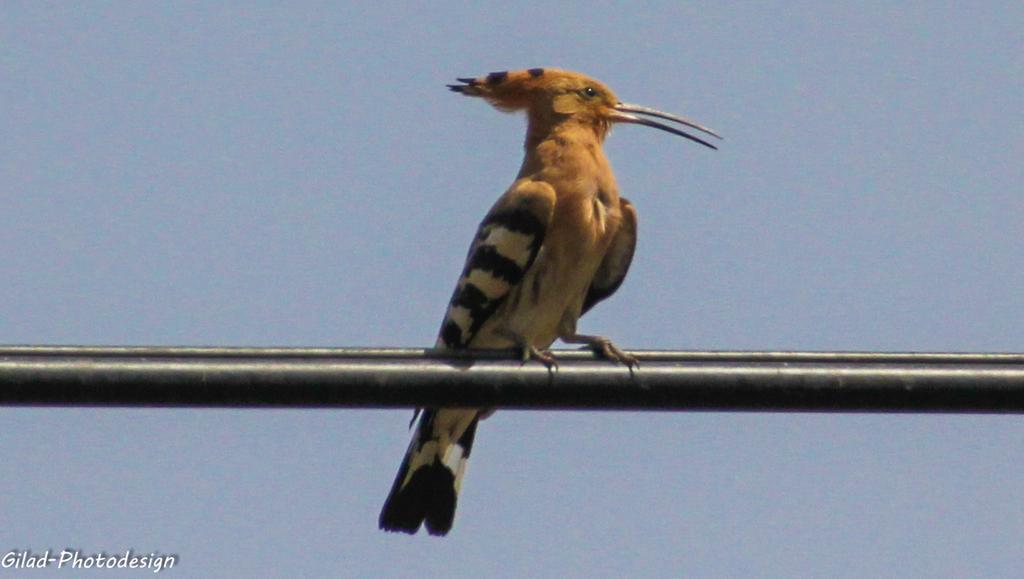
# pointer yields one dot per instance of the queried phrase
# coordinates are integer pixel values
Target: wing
(505, 247)
(615, 265)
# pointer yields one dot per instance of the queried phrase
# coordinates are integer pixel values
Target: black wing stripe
(517, 220)
(471, 298)
(451, 335)
(488, 258)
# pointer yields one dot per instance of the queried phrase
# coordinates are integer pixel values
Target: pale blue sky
(182, 174)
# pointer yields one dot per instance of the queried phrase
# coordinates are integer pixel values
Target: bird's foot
(605, 348)
(543, 356)
(530, 352)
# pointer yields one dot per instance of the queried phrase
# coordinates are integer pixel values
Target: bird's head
(551, 96)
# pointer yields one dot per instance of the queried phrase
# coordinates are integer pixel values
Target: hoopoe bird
(556, 243)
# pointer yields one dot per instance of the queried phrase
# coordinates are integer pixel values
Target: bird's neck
(567, 146)
(573, 129)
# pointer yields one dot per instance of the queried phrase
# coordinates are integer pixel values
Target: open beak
(622, 115)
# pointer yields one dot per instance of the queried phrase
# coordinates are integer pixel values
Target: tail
(427, 486)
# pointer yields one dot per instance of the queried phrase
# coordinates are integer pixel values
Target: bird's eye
(590, 92)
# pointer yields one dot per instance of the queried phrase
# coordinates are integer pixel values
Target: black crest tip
(497, 77)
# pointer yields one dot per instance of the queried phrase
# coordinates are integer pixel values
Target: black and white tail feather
(426, 488)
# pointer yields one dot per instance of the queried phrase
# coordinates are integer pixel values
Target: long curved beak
(622, 115)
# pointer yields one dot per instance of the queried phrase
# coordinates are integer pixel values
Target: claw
(605, 348)
(543, 356)
(530, 352)
(612, 352)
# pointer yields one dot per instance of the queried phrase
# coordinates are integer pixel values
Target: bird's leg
(529, 352)
(603, 347)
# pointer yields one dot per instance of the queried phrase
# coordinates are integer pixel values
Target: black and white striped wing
(505, 247)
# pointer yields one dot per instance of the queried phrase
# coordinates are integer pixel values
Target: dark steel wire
(406, 377)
